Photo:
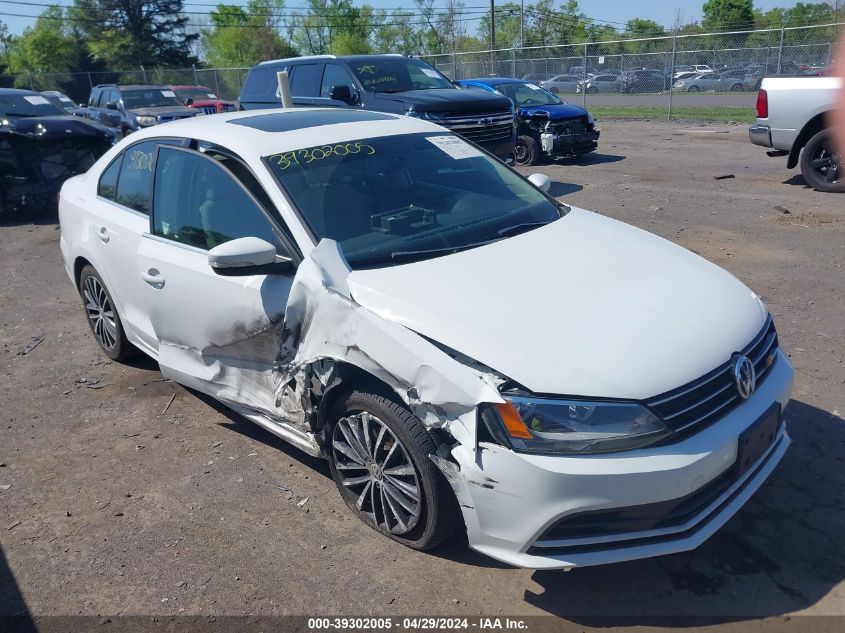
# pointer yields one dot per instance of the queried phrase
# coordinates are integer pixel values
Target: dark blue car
(546, 125)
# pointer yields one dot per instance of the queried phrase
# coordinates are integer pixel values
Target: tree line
(99, 35)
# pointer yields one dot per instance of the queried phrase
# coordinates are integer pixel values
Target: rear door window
(135, 183)
(306, 80)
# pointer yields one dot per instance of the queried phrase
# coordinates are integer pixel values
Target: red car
(203, 98)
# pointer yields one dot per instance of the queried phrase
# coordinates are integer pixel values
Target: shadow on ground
(781, 553)
(797, 180)
(558, 189)
(14, 612)
(593, 159)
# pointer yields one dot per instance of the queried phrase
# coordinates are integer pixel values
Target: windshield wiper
(405, 256)
(521, 228)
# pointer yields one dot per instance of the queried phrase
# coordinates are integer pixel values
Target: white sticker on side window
(36, 100)
(168, 93)
(454, 147)
(431, 72)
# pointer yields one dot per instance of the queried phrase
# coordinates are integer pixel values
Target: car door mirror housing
(111, 105)
(247, 256)
(342, 93)
(541, 181)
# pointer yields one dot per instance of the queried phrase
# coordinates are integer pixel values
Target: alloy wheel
(376, 470)
(520, 153)
(100, 312)
(827, 163)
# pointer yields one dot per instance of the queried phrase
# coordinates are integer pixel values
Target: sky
(616, 12)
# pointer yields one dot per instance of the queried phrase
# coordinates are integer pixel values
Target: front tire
(821, 165)
(526, 151)
(378, 455)
(103, 317)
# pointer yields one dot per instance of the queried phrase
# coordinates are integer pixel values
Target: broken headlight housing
(575, 427)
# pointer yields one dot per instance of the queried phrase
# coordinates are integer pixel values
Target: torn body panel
(276, 369)
(37, 155)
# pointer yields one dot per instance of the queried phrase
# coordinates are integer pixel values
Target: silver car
(601, 83)
(561, 84)
(709, 82)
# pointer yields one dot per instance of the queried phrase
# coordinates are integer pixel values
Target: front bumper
(760, 135)
(558, 145)
(510, 500)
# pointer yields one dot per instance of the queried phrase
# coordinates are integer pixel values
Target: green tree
(5, 43)
(733, 15)
(51, 45)
(638, 27)
(131, 33)
(243, 37)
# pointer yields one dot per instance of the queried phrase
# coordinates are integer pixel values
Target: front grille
(571, 126)
(164, 118)
(703, 401)
(209, 109)
(481, 128)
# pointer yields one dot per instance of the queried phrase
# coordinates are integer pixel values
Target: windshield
(527, 95)
(148, 98)
(197, 94)
(27, 106)
(397, 75)
(408, 197)
(63, 102)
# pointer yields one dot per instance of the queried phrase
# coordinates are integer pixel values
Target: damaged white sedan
(464, 349)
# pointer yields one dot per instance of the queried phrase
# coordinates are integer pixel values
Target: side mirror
(189, 101)
(247, 256)
(541, 181)
(342, 93)
(111, 105)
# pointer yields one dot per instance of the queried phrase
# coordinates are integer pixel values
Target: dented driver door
(218, 334)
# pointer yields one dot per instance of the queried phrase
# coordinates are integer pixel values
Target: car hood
(556, 112)
(473, 100)
(204, 103)
(163, 110)
(59, 126)
(584, 306)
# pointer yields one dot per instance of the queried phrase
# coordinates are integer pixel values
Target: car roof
(11, 92)
(495, 81)
(254, 133)
(187, 86)
(317, 57)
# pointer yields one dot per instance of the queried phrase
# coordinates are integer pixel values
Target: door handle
(153, 277)
(103, 234)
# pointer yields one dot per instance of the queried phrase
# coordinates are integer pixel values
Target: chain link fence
(701, 77)
(226, 83)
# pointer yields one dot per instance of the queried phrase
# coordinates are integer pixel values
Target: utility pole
(492, 37)
(522, 23)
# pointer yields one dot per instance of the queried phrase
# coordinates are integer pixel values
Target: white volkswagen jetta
(460, 346)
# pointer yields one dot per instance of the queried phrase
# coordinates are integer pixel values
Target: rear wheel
(693, 89)
(592, 90)
(102, 316)
(821, 165)
(379, 460)
(526, 151)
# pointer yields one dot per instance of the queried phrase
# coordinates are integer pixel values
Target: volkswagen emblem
(745, 376)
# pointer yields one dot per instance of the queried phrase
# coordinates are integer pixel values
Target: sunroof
(297, 120)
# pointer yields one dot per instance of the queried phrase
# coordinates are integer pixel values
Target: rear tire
(821, 165)
(378, 455)
(694, 89)
(526, 151)
(103, 318)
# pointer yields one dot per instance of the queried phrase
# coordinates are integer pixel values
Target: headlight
(551, 426)
(144, 121)
(428, 116)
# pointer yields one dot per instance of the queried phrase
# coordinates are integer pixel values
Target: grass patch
(718, 114)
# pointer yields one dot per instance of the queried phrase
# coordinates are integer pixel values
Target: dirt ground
(121, 493)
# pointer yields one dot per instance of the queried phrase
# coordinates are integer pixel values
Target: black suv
(645, 80)
(129, 108)
(386, 83)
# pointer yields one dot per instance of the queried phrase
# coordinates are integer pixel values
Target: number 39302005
(309, 155)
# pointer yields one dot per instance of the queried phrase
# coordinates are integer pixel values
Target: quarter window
(108, 181)
(135, 184)
(199, 203)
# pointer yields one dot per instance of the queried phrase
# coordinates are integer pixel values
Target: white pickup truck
(793, 115)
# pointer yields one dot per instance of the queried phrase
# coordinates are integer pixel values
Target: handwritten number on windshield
(307, 156)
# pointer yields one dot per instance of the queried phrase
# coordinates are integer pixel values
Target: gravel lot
(121, 493)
